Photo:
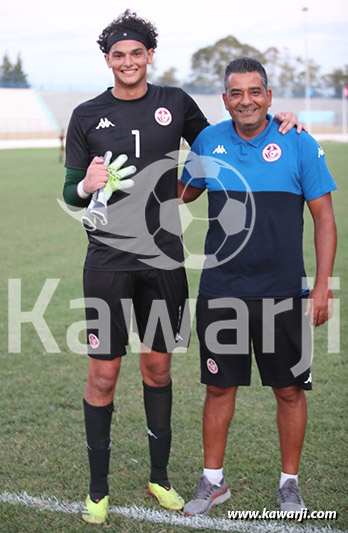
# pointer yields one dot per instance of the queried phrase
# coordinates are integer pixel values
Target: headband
(124, 35)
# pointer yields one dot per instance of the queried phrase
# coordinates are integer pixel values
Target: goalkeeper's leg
(98, 408)
(155, 369)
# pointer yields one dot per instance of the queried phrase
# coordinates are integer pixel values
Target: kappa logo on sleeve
(320, 152)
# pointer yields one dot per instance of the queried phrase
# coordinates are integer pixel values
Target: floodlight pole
(307, 77)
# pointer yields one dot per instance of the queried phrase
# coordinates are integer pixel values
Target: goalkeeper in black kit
(145, 122)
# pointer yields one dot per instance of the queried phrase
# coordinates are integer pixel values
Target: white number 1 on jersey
(136, 133)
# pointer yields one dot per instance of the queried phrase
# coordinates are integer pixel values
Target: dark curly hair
(129, 21)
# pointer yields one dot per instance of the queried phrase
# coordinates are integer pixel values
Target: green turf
(42, 448)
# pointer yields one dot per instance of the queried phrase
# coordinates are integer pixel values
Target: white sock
(213, 475)
(285, 477)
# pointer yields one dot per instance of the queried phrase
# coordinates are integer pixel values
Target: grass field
(42, 443)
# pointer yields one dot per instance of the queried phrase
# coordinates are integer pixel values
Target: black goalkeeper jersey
(148, 130)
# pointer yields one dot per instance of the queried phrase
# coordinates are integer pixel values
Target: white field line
(45, 503)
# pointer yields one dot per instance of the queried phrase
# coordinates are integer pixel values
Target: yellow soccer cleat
(95, 513)
(167, 498)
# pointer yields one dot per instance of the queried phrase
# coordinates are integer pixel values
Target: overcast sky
(57, 40)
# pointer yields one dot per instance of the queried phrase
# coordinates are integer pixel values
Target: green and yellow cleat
(95, 513)
(167, 498)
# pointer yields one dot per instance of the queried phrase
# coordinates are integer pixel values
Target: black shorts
(154, 299)
(228, 329)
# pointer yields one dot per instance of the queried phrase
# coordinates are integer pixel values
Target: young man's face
(128, 61)
(247, 101)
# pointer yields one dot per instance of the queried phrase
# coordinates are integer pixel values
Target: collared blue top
(256, 190)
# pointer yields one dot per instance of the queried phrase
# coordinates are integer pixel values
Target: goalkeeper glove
(97, 206)
(116, 175)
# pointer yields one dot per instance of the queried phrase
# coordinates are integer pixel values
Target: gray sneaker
(289, 497)
(206, 496)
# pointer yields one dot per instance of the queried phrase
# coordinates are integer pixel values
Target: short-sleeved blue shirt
(256, 191)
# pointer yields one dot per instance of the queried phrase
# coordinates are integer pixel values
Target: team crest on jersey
(93, 341)
(212, 366)
(272, 152)
(163, 116)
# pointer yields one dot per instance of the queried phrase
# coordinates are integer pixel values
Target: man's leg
(159, 303)
(291, 419)
(155, 370)
(218, 412)
(98, 408)
(292, 343)
(101, 381)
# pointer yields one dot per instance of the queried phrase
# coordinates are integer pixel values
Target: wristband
(80, 190)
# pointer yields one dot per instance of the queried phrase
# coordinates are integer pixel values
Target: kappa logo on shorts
(272, 152)
(93, 341)
(163, 116)
(309, 380)
(212, 366)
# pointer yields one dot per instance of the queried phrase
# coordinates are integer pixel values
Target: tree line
(286, 74)
(12, 75)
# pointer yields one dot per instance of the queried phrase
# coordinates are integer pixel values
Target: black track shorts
(154, 298)
(277, 330)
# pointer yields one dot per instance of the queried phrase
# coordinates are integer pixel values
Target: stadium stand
(326, 113)
(24, 114)
(30, 115)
